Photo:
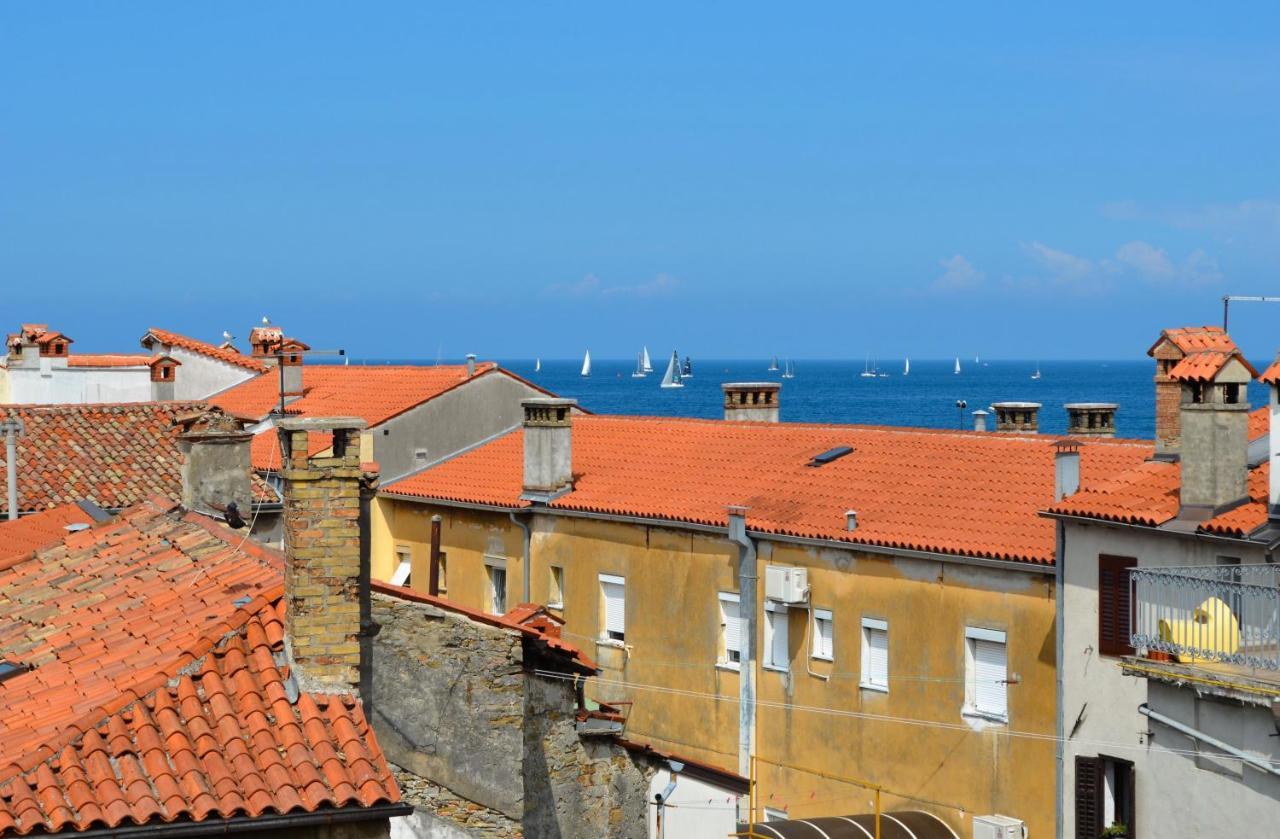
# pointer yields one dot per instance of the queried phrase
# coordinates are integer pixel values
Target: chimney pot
(751, 401)
(548, 448)
(1066, 468)
(980, 420)
(216, 469)
(471, 365)
(1017, 417)
(1091, 419)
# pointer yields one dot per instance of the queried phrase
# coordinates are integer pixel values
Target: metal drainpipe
(11, 430)
(1254, 761)
(527, 570)
(1060, 746)
(747, 668)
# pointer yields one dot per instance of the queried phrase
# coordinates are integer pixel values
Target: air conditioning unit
(998, 827)
(786, 584)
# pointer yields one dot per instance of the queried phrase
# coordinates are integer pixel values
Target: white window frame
(973, 636)
(867, 679)
(404, 566)
(722, 600)
(817, 650)
(780, 613)
(605, 637)
(492, 564)
(772, 814)
(555, 579)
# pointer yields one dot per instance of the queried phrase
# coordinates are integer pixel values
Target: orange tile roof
(1204, 365)
(1271, 376)
(1194, 338)
(21, 537)
(965, 493)
(230, 356)
(373, 393)
(155, 695)
(107, 360)
(1259, 423)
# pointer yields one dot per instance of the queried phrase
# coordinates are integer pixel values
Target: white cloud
(1149, 261)
(1133, 260)
(958, 274)
(590, 286)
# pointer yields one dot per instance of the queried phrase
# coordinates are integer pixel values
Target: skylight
(830, 455)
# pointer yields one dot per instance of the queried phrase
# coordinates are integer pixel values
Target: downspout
(368, 627)
(1254, 761)
(11, 429)
(1060, 726)
(747, 669)
(527, 570)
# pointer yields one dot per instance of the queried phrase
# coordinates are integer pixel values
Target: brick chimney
(1214, 432)
(1017, 417)
(216, 469)
(1170, 348)
(752, 401)
(164, 375)
(326, 575)
(1091, 419)
(548, 448)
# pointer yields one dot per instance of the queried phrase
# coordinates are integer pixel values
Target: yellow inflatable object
(1213, 627)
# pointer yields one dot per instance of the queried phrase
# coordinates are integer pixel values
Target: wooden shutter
(877, 657)
(1088, 797)
(990, 672)
(1114, 607)
(615, 606)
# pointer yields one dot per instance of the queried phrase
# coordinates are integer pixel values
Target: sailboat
(1036, 374)
(906, 367)
(537, 365)
(957, 366)
(687, 372)
(640, 371)
(773, 365)
(672, 376)
(867, 371)
(645, 364)
(789, 372)
(586, 364)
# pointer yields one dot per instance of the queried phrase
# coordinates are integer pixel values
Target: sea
(931, 396)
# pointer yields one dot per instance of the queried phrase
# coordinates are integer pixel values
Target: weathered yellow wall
(830, 726)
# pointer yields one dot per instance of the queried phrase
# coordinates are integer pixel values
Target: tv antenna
(1228, 299)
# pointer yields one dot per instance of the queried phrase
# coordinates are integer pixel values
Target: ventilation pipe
(1066, 469)
(747, 668)
(12, 428)
(979, 420)
(433, 573)
(471, 364)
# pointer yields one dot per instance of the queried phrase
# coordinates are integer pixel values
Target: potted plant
(1117, 830)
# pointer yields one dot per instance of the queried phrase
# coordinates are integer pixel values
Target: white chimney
(979, 420)
(471, 365)
(548, 448)
(1066, 468)
(751, 401)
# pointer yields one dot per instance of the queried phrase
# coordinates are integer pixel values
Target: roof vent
(830, 455)
(75, 527)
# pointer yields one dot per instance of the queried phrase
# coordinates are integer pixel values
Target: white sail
(789, 370)
(537, 365)
(957, 366)
(639, 371)
(645, 364)
(773, 365)
(906, 367)
(586, 364)
(672, 377)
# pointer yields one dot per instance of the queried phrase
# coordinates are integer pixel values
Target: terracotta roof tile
(149, 700)
(21, 537)
(1190, 339)
(107, 360)
(230, 356)
(1271, 376)
(1259, 423)
(1204, 365)
(967, 493)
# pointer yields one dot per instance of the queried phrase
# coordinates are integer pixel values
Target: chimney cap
(1067, 445)
(1015, 404)
(751, 386)
(549, 401)
(319, 423)
(1092, 406)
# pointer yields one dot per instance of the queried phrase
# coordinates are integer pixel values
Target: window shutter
(878, 657)
(822, 631)
(1088, 797)
(729, 612)
(778, 653)
(614, 607)
(990, 670)
(1114, 607)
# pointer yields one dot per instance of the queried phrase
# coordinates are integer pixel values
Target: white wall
(1173, 797)
(61, 385)
(200, 377)
(698, 809)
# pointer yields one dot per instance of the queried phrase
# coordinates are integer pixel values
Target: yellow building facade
(876, 679)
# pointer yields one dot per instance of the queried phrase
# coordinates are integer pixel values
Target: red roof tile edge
(195, 345)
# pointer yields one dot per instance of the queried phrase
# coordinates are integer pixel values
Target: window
(776, 655)
(1104, 796)
(496, 569)
(730, 630)
(404, 566)
(555, 588)
(613, 598)
(875, 654)
(1113, 604)
(823, 644)
(986, 674)
(442, 577)
(774, 815)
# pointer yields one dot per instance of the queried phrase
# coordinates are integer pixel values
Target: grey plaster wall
(201, 376)
(1100, 704)
(483, 407)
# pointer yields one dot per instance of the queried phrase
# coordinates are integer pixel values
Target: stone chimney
(1066, 468)
(1214, 433)
(1017, 417)
(548, 448)
(326, 575)
(980, 420)
(752, 401)
(164, 374)
(1170, 348)
(216, 470)
(1091, 419)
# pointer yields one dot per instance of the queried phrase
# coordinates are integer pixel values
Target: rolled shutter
(878, 657)
(615, 606)
(990, 672)
(1088, 797)
(1114, 606)
(732, 625)
(822, 643)
(778, 652)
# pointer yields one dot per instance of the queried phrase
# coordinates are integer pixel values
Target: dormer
(164, 373)
(53, 345)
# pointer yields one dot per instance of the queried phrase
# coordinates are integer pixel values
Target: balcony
(1211, 625)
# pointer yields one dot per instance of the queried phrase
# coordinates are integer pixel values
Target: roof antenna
(266, 321)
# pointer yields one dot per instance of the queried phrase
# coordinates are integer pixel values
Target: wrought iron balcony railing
(1228, 614)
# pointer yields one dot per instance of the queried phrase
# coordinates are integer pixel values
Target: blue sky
(735, 179)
